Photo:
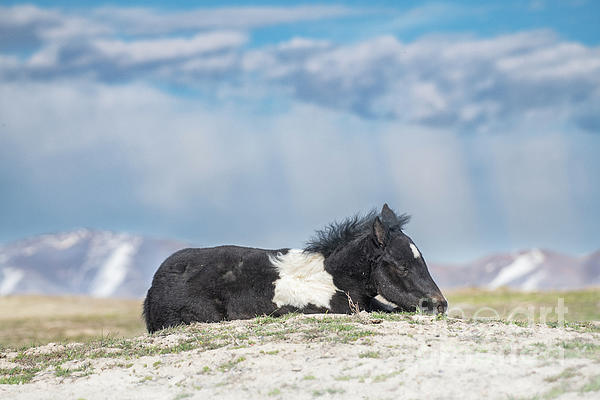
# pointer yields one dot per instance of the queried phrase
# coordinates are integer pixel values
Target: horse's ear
(380, 232)
(389, 217)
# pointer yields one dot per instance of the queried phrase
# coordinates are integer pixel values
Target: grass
(318, 393)
(369, 354)
(18, 375)
(583, 305)
(384, 377)
(576, 348)
(593, 385)
(63, 319)
(230, 364)
(45, 319)
(566, 374)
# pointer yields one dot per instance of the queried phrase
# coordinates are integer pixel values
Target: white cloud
(145, 51)
(31, 25)
(456, 82)
(428, 13)
(144, 20)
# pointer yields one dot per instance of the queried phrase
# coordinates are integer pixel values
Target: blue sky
(255, 123)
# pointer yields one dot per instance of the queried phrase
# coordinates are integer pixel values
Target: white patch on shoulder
(415, 250)
(302, 280)
(388, 304)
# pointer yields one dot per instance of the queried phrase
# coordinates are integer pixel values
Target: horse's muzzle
(433, 305)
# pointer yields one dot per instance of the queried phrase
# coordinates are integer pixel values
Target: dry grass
(32, 320)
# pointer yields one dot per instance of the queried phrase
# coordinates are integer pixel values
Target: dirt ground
(366, 356)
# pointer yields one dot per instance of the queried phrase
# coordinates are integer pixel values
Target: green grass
(318, 393)
(18, 375)
(230, 364)
(566, 374)
(385, 377)
(583, 305)
(579, 348)
(369, 354)
(592, 386)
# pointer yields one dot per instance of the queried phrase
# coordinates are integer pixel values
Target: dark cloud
(21, 27)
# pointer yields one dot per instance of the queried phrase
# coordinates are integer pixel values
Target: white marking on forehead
(415, 250)
(388, 304)
(302, 280)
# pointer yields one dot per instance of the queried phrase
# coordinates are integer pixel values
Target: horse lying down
(366, 259)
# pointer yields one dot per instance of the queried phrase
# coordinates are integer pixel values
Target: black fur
(231, 282)
(336, 234)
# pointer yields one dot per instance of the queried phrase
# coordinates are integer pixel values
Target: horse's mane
(326, 240)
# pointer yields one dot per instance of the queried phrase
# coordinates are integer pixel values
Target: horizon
(258, 123)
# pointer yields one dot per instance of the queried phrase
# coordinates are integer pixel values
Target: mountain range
(109, 264)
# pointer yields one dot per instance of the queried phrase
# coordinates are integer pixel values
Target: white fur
(390, 306)
(415, 250)
(302, 280)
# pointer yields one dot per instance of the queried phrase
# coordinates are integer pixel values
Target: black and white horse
(368, 259)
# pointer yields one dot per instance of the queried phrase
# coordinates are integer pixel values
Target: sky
(257, 123)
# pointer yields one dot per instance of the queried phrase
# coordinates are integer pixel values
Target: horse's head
(399, 272)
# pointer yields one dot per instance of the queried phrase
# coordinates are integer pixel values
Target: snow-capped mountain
(526, 270)
(96, 263)
(108, 264)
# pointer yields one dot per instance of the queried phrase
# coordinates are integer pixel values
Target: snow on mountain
(525, 270)
(114, 270)
(521, 266)
(10, 279)
(109, 264)
(96, 263)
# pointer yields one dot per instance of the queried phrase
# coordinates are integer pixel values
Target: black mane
(326, 240)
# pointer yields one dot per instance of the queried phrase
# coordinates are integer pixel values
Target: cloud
(427, 14)
(150, 21)
(148, 51)
(27, 27)
(129, 156)
(30, 26)
(456, 82)
(20, 26)
(165, 59)
(285, 137)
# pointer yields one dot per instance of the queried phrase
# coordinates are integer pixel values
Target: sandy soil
(363, 357)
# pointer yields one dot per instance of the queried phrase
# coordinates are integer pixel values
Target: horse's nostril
(425, 304)
(441, 306)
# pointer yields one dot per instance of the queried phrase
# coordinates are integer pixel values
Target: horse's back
(209, 284)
